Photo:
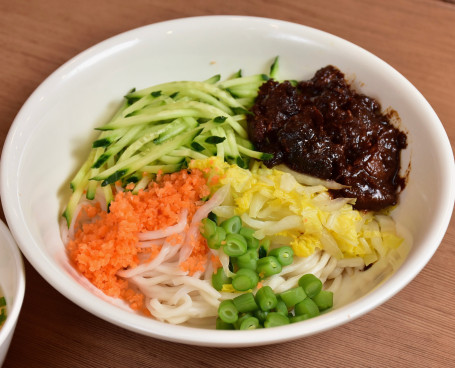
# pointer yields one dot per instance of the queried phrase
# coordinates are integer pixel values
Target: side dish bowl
(53, 131)
(12, 286)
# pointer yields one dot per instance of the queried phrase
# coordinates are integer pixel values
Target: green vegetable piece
(324, 300)
(248, 260)
(260, 315)
(268, 266)
(215, 241)
(306, 307)
(284, 255)
(245, 279)
(221, 325)
(245, 303)
(213, 79)
(249, 323)
(208, 228)
(228, 312)
(293, 296)
(219, 279)
(2, 301)
(235, 245)
(114, 177)
(274, 68)
(242, 317)
(311, 284)
(232, 225)
(275, 319)
(247, 232)
(266, 298)
(281, 306)
(253, 243)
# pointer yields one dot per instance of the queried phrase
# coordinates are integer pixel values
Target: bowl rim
(185, 334)
(12, 317)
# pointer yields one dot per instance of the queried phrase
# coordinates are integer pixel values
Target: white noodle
(158, 234)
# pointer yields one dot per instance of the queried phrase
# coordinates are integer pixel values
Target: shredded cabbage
(275, 204)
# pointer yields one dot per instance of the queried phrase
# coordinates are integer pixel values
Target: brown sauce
(322, 127)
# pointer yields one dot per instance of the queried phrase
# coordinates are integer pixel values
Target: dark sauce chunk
(322, 127)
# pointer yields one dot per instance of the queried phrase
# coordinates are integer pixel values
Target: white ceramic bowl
(54, 129)
(12, 283)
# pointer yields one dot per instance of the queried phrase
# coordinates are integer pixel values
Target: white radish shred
(193, 231)
(177, 228)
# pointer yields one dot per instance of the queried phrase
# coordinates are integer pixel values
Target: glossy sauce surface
(322, 127)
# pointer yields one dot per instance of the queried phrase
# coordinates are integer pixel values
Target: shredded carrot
(103, 247)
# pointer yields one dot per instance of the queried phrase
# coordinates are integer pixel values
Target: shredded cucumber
(162, 127)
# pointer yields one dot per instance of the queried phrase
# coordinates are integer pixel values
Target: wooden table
(416, 328)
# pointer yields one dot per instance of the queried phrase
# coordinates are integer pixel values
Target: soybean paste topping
(322, 127)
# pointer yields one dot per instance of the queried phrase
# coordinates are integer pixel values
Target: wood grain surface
(416, 328)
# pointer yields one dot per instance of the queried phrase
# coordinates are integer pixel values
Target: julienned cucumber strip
(116, 147)
(157, 129)
(75, 198)
(148, 135)
(244, 81)
(193, 109)
(184, 86)
(134, 163)
(274, 68)
(175, 128)
(214, 79)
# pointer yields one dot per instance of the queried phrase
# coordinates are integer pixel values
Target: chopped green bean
(245, 279)
(248, 260)
(221, 325)
(235, 245)
(245, 303)
(324, 300)
(311, 284)
(281, 307)
(209, 228)
(268, 266)
(260, 315)
(228, 312)
(232, 225)
(247, 232)
(249, 323)
(219, 279)
(293, 296)
(266, 298)
(215, 241)
(275, 319)
(308, 307)
(284, 255)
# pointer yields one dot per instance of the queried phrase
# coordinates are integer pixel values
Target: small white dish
(12, 284)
